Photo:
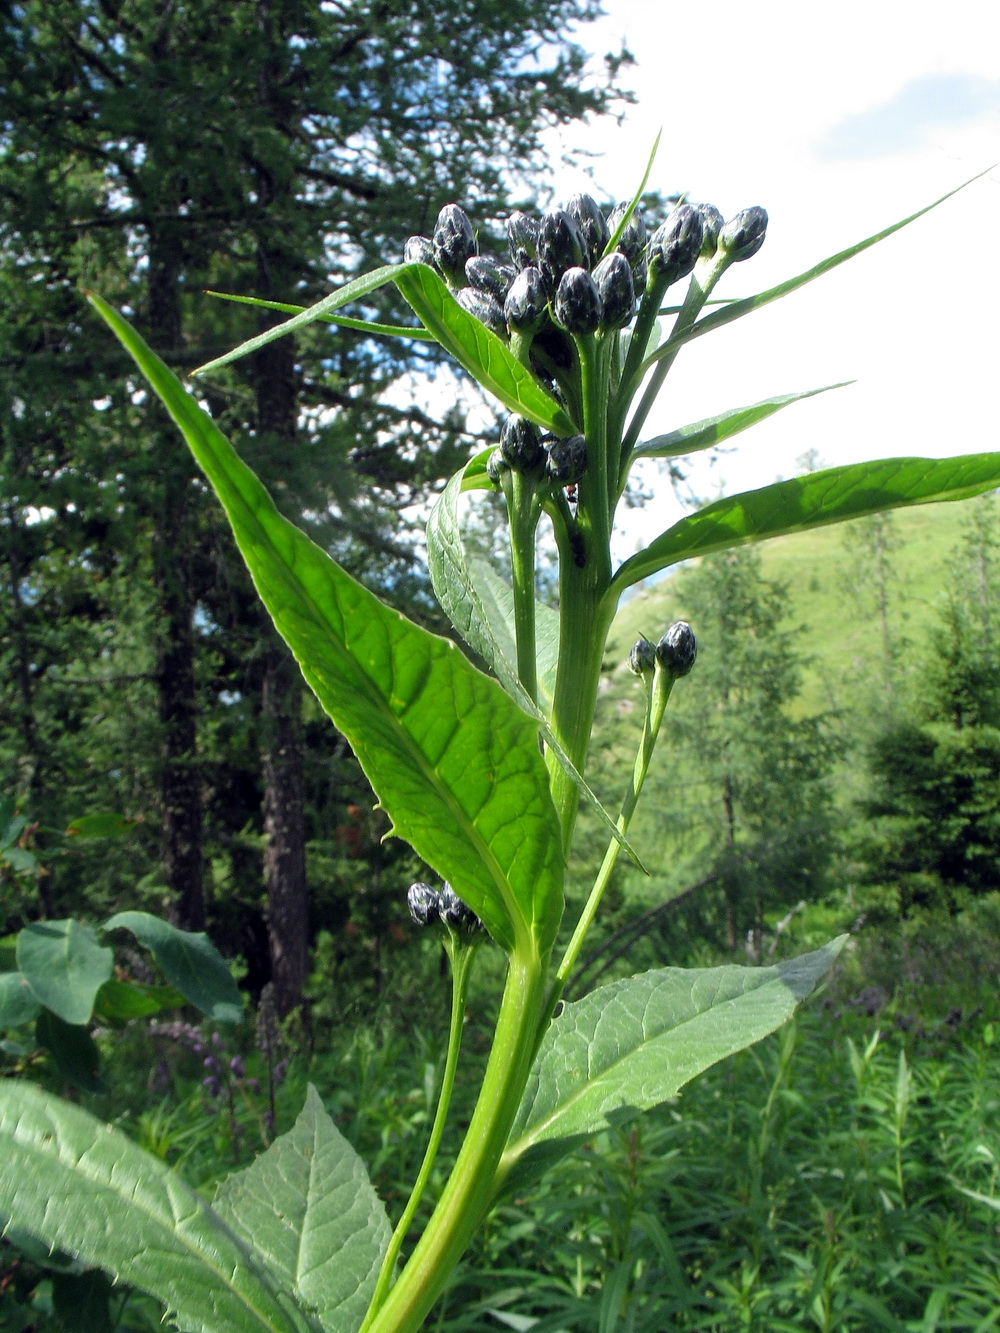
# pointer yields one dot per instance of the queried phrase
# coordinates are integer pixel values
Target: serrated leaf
(18, 1003)
(64, 965)
(81, 1186)
(73, 1049)
(454, 762)
(713, 430)
(189, 960)
(630, 1046)
(307, 1207)
(831, 496)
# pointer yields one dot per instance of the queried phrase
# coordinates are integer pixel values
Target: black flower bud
(456, 914)
(496, 466)
(613, 279)
(742, 236)
(677, 650)
(640, 275)
(521, 444)
(560, 246)
(675, 246)
(642, 657)
(485, 309)
(524, 307)
(522, 239)
(423, 903)
(632, 241)
(419, 250)
(489, 275)
(454, 242)
(593, 228)
(712, 222)
(578, 306)
(567, 460)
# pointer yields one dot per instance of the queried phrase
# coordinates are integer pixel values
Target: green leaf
(307, 1207)
(118, 1001)
(64, 965)
(636, 199)
(713, 430)
(481, 607)
(454, 761)
(100, 826)
(82, 1186)
(73, 1049)
(734, 309)
(18, 1003)
(831, 496)
(362, 325)
(631, 1045)
(189, 961)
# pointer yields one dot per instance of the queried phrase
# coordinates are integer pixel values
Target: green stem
(524, 507)
(461, 955)
(466, 1196)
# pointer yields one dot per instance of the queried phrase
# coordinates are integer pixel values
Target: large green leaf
(190, 961)
(309, 1210)
(454, 761)
(631, 1045)
(713, 430)
(81, 1186)
(831, 496)
(18, 1002)
(73, 1049)
(64, 965)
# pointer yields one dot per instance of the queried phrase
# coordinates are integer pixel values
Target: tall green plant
(482, 776)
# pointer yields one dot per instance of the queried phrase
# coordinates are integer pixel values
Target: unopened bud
(712, 222)
(642, 657)
(489, 275)
(677, 650)
(632, 241)
(640, 275)
(419, 250)
(567, 460)
(525, 305)
(454, 242)
(521, 444)
(456, 914)
(593, 228)
(496, 466)
(485, 309)
(423, 903)
(522, 239)
(742, 236)
(560, 246)
(578, 306)
(613, 279)
(674, 246)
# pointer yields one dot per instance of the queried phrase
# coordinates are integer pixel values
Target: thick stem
(523, 509)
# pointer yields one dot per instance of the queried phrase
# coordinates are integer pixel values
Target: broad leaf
(18, 1003)
(831, 496)
(100, 826)
(631, 1045)
(118, 1001)
(307, 1207)
(64, 965)
(81, 1186)
(73, 1049)
(454, 761)
(713, 430)
(481, 607)
(189, 961)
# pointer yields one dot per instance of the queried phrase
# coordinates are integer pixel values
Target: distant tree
(875, 586)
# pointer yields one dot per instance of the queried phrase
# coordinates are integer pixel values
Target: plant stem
(523, 509)
(466, 1196)
(461, 956)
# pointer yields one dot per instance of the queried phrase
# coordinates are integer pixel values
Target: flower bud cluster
(429, 906)
(675, 653)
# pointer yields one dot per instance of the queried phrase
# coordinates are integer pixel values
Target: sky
(839, 120)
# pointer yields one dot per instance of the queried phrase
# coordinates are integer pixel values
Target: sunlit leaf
(65, 966)
(189, 960)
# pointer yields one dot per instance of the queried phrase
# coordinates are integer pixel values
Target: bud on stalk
(423, 903)
(524, 308)
(521, 444)
(485, 309)
(677, 650)
(454, 242)
(742, 236)
(578, 306)
(642, 657)
(419, 250)
(522, 239)
(560, 247)
(593, 228)
(567, 460)
(613, 279)
(489, 275)
(632, 241)
(675, 246)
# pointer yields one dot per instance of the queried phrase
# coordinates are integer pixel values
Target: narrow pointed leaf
(481, 607)
(307, 1207)
(630, 1046)
(81, 1186)
(831, 496)
(65, 966)
(636, 199)
(735, 309)
(454, 761)
(189, 960)
(361, 325)
(713, 430)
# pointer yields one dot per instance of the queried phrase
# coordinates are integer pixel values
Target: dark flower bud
(589, 218)
(712, 222)
(521, 444)
(578, 306)
(742, 236)
(525, 305)
(496, 466)
(642, 657)
(454, 242)
(423, 903)
(488, 275)
(632, 241)
(485, 309)
(456, 914)
(613, 279)
(678, 649)
(560, 246)
(567, 460)
(675, 246)
(419, 250)
(640, 275)
(522, 239)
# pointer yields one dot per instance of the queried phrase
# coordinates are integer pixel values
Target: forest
(831, 766)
